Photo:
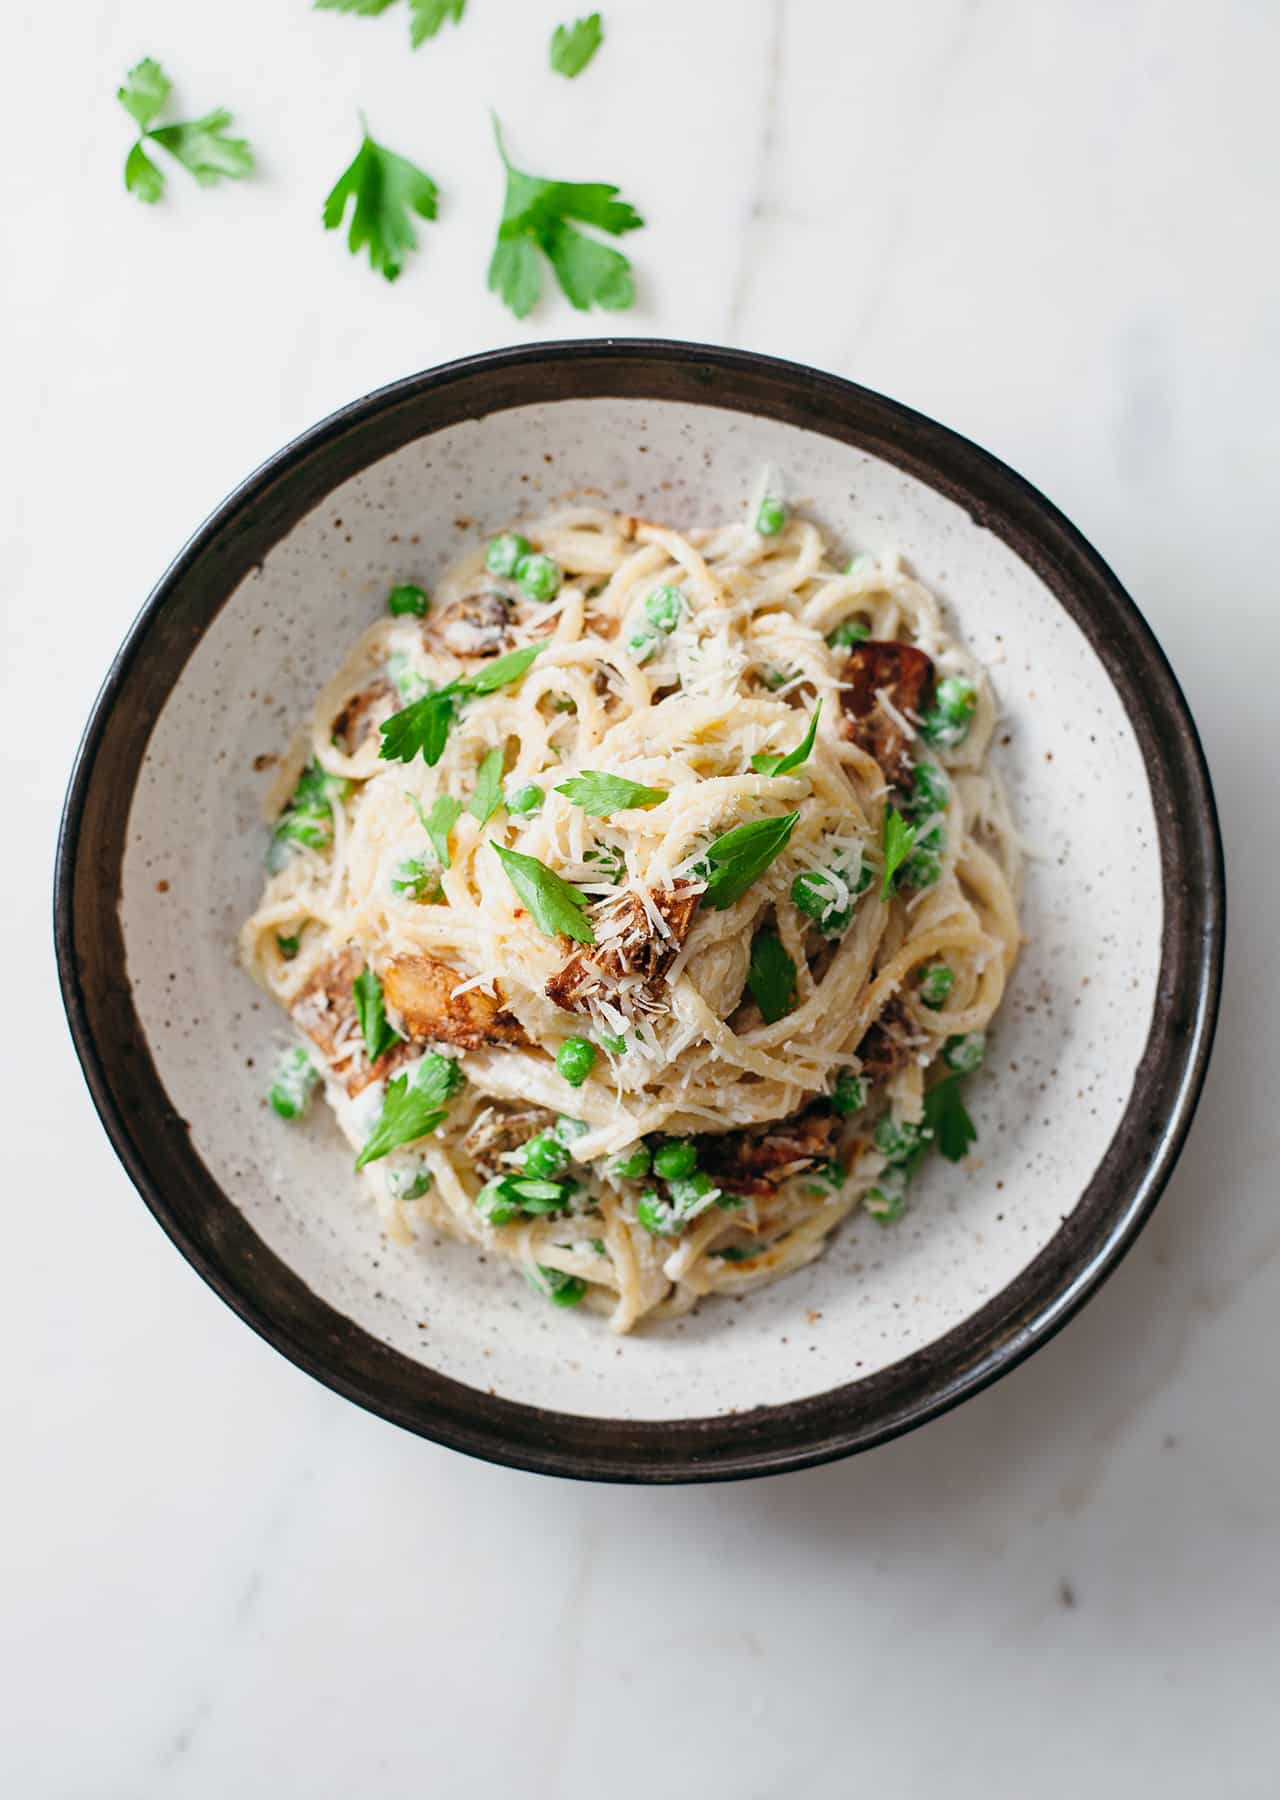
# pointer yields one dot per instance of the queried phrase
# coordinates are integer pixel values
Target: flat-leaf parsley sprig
(200, 145)
(388, 190)
(423, 725)
(425, 16)
(573, 46)
(535, 223)
(555, 905)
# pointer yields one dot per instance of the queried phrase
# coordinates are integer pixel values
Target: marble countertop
(1051, 226)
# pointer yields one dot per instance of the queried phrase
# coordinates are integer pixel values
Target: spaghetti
(782, 966)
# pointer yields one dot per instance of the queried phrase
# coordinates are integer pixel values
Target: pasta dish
(640, 901)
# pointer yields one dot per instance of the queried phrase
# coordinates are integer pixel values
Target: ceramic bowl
(1098, 1054)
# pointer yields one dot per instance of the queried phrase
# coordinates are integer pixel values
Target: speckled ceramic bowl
(1098, 1054)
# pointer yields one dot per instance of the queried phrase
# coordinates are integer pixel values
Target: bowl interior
(1067, 1043)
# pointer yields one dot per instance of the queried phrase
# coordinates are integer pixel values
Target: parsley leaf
(599, 795)
(944, 1111)
(740, 856)
(439, 822)
(898, 842)
(502, 670)
(414, 1105)
(387, 190)
(573, 46)
(535, 217)
(556, 906)
(426, 16)
(783, 765)
(488, 789)
(202, 146)
(424, 724)
(372, 1014)
(771, 977)
(141, 176)
(144, 91)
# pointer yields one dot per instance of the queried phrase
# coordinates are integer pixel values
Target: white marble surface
(1051, 226)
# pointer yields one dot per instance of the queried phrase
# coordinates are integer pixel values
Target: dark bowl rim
(124, 1083)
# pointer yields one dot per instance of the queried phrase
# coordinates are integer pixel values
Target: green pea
(539, 576)
(965, 1053)
(570, 1130)
(675, 1160)
(900, 1141)
(562, 1289)
(505, 552)
(525, 799)
(956, 697)
(849, 631)
(664, 608)
(544, 1155)
(495, 1204)
(408, 1184)
(409, 684)
(610, 1041)
(655, 1215)
(686, 1192)
(642, 645)
(936, 983)
(574, 1060)
(947, 722)
(771, 517)
(631, 1164)
(922, 869)
(296, 1080)
(930, 789)
(814, 894)
(887, 1200)
(407, 599)
(849, 1095)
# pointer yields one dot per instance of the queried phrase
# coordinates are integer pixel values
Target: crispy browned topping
(363, 714)
(627, 946)
(477, 625)
(499, 1129)
(889, 1044)
(755, 1161)
(421, 991)
(325, 1009)
(904, 674)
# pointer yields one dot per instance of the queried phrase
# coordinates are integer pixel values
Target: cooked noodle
(738, 675)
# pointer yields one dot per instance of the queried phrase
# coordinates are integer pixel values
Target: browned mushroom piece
(477, 625)
(755, 1161)
(363, 714)
(628, 950)
(325, 1009)
(880, 671)
(500, 1129)
(422, 993)
(889, 1044)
